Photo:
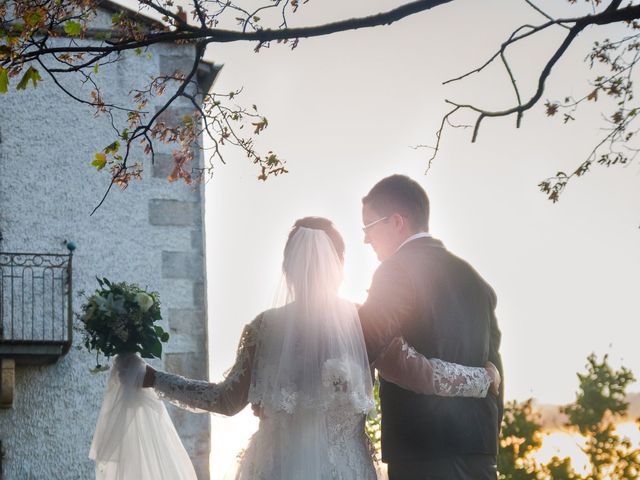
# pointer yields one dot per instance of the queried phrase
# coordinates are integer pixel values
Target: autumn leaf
(34, 17)
(260, 126)
(552, 109)
(5, 52)
(593, 95)
(617, 117)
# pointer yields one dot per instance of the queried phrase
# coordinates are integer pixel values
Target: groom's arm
(494, 353)
(388, 307)
(494, 338)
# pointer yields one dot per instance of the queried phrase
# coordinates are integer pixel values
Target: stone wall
(151, 233)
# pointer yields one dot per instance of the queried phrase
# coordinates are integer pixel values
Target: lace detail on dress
(338, 378)
(403, 365)
(453, 380)
(227, 397)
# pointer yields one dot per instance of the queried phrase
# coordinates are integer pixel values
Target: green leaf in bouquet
(156, 348)
(149, 332)
(164, 337)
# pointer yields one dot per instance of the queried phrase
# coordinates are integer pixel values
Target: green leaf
(31, 74)
(35, 77)
(113, 148)
(22, 84)
(4, 80)
(100, 161)
(156, 348)
(73, 28)
(96, 68)
(138, 51)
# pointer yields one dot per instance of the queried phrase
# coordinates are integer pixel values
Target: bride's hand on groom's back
(495, 377)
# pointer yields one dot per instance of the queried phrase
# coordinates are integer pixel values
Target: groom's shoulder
(437, 258)
(391, 270)
(473, 275)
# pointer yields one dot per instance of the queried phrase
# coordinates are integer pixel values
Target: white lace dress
(349, 457)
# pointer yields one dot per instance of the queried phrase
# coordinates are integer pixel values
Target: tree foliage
(612, 61)
(59, 38)
(600, 403)
(52, 39)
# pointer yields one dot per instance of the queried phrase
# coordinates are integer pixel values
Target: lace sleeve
(403, 365)
(227, 397)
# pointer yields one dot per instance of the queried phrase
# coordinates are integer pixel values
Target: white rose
(145, 301)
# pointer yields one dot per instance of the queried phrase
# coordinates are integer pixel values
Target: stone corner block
(191, 365)
(187, 321)
(183, 265)
(175, 213)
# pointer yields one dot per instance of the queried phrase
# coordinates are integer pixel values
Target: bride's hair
(318, 223)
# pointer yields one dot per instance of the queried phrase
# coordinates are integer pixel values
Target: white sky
(343, 112)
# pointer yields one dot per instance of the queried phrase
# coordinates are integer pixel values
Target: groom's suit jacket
(445, 310)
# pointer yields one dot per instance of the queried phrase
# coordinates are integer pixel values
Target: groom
(444, 309)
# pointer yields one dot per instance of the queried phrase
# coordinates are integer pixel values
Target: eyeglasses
(369, 225)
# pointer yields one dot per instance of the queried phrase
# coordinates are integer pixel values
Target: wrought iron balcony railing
(36, 314)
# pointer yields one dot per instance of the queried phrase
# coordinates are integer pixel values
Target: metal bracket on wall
(7, 381)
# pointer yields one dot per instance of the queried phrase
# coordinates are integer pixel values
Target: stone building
(150, 233)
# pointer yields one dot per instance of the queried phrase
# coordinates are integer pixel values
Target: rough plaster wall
(141, 234)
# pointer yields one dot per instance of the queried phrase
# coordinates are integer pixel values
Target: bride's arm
(402, 365)
(227, 397)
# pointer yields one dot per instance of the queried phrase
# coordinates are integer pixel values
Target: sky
(344, 111)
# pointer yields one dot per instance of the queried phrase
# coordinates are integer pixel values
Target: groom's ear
(398, 221)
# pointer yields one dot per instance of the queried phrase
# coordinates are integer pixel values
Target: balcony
(36, 311)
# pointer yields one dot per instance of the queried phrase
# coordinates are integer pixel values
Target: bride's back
(311, 380)
(310, 374)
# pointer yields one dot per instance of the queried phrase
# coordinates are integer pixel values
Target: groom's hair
(400, 194)
(319, 223)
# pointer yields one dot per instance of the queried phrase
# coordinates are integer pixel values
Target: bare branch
(543, 13)
(573, 33)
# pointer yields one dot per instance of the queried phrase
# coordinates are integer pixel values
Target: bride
(304, 368)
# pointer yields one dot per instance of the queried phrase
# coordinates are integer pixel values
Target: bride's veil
(311, 368)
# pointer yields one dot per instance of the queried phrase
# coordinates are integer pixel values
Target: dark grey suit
(445, 310)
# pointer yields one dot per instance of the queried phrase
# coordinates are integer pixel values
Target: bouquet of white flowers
(121, 318)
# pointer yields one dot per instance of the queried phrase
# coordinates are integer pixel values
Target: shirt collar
(414, 237)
